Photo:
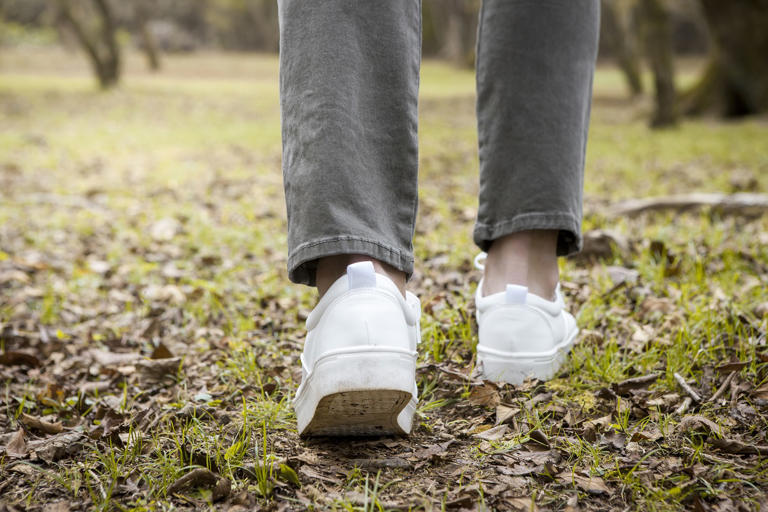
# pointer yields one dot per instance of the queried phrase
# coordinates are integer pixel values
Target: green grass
(85, 176)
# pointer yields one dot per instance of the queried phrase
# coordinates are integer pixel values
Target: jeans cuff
(302, 261)
(569, 240)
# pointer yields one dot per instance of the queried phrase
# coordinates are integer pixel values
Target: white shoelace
(480, 257)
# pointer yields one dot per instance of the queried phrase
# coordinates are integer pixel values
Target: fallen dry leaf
(599, 423)
(17, 446)
(493, 434)
(153, 370)
(538, 438)
(657, 304)
(164, 230)
(505, 414)
(640, 338)
(521, 504)
(161, 352)
(591, 337)
(169, 294)
(106, 358)
(57, 447)
(98, 266)
(313, 474)
(110, 422)
(8, 276)
(590, 484)
(733, 366)
(12, 357)
(622, 275)
(59, 506)
(23, 468)
(42, 426)
(201, 477)
(374, 464)
(652, 434)
(486, 395)
(739, 447)
(761, 392)
(589, 434)
(696, 422)
(430, 451)
(537, 456)
(615, 440)
(520, 469)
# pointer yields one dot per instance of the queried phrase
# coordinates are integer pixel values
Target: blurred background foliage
(637, 35)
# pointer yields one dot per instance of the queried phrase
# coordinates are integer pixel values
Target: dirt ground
(149, 337)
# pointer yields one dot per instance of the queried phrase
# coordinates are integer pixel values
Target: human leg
(349, 91)
(535, 65)
(348, 86)
(527, 258)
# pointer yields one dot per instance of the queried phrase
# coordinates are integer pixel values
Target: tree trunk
(100, 47)
(273, 36)
(460, 31)
(735, 81)
(431, 28)
(657, 35)
(623, 45)
(111, 53)
(147, 38)
(263, 19)
(150, 48)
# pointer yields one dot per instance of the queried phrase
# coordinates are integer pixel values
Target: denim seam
(563, 221)
(552, 217)
(313, 243)
(300, 259)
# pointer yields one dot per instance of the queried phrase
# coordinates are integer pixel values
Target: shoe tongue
(515, 294)
(361, 275)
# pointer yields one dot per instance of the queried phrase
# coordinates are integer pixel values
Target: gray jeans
(349, 81)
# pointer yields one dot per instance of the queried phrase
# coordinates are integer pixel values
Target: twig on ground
(740, 204)
(713, 458)
(688, 389)
(721, 390)
(684, 406)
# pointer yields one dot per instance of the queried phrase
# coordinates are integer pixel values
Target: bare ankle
(526, 258)
(330, 268)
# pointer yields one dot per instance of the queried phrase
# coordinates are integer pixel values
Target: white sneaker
(359, 359)
(521, 334)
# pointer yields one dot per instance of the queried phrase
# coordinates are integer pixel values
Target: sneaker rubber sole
(359, 413)
(363, 391)
(514, 368)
